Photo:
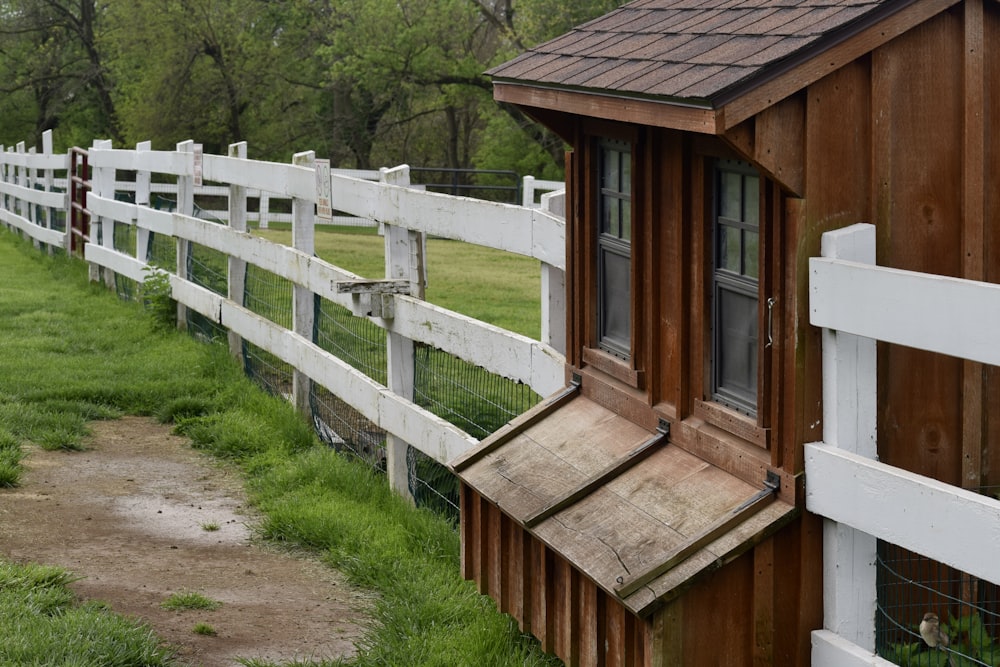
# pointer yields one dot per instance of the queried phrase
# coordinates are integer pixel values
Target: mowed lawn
(494, 286)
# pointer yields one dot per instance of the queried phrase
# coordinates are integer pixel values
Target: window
(614, 265)
(735, 281)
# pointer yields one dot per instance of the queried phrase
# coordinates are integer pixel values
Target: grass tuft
(204, 629)
(189, 600)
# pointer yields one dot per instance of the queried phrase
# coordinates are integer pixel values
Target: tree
(52, 65)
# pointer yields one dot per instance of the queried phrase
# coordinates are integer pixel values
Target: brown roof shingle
(685, 49)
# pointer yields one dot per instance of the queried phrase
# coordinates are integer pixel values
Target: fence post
(304, 301)
(21, 180)
(404, 260)
(102, 185)
(142, 180)
(553, 282)
(849, 420)
(47, 183)
(237, 268)
(185, 206)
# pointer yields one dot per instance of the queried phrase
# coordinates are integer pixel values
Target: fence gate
(79, 186)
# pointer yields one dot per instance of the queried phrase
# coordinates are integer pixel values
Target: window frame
(740, 282)
(613, 239)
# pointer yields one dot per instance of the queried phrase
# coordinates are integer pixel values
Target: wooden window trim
(751, 429)
(625, 369)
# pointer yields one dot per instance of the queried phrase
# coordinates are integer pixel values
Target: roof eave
(691, 115)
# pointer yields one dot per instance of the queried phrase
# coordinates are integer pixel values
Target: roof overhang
(731, 107)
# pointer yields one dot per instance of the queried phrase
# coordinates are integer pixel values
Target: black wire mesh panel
(162, 252)
(432, 485)
(269, 296)
(268, 371)
(354, 340)
(470, 397)
(909, 586)
(345, 429)
(124, 242)
(207, 268)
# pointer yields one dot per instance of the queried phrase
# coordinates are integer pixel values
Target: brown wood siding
(917, 157)
(571, 617)
(990, 473)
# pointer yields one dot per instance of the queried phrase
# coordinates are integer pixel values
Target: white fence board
(279, 178)
(528, 232)
(110, 208)
(175, 163)
(41, 161)
(39, 197)
(497, 350)
(948, 315)
(943, 522)
(118, 262)
(49, 236)
(830, 650)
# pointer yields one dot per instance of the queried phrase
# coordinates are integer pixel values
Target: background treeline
(367, 83)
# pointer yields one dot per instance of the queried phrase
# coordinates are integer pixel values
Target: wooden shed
(653, 513)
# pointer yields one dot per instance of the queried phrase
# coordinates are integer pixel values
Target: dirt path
(128, 516)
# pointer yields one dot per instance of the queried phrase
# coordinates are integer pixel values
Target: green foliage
(41, 625)
(156, 297)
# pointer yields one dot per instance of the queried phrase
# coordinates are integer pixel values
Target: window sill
(613, 366)
(731, 421)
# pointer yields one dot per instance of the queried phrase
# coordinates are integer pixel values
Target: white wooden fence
(28, 203)
(863, 500)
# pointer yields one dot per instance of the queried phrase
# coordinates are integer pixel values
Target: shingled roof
(701, 52)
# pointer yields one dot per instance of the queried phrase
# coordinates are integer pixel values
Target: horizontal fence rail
(130, 240)
(862, 500)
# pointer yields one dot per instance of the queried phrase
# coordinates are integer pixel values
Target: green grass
(41, 624)
(189, 600)
(71, 352)
(494, 286)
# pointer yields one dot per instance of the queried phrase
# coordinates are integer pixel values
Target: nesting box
(653, 512)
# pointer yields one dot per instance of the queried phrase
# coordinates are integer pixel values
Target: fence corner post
(849, 421)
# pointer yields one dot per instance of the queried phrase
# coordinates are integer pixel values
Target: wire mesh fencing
(967, 610)
(471, 398)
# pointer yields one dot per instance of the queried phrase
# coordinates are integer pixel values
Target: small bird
(930, 630)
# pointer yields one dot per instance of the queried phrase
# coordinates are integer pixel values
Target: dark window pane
(751, 257)
(729, 248)
(626, 171)
(751, 199)
(731, 195)
(610, 178)
(610, 216)
(736, 320)
(615, 301)
(626, 220)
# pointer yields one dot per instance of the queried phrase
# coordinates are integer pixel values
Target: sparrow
(930, 630)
